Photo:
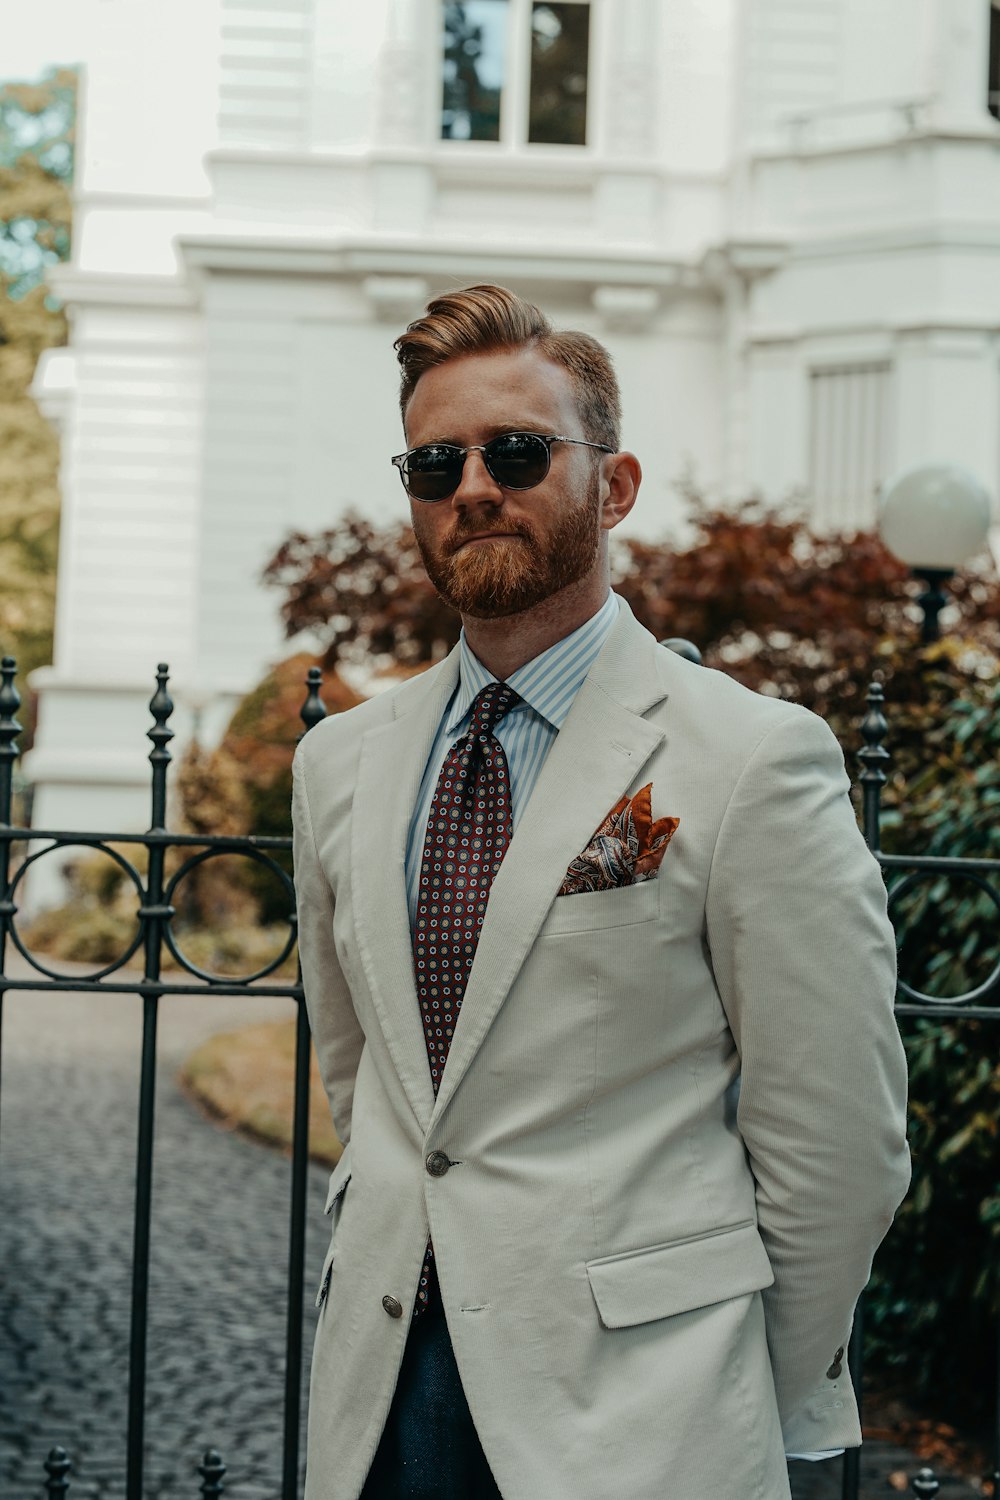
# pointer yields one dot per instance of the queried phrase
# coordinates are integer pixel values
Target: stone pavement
(218, 1262)
(217, 1274)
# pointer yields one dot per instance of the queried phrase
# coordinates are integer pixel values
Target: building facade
(782, 216)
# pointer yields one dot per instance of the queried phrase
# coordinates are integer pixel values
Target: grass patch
(246, 1080)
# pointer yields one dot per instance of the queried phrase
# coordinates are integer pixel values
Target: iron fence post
(153, 915)
(312, 712)
(10, 702)
(995, 1476)
(873, 757)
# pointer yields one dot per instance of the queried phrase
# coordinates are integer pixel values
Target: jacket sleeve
(804, 959)
(337, 1034)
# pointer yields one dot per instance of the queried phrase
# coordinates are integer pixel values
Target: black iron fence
(154, 937)
(155, 891)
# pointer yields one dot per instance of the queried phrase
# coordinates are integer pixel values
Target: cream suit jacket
(675, 1110)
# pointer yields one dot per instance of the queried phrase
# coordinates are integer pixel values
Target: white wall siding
(266, 70)
(131, 493)
(793, 61)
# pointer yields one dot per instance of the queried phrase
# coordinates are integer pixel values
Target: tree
(244, 786)
(784, 611)
(363, 591)
(37, 123)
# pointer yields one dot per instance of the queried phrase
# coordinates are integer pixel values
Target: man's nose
(477, 485)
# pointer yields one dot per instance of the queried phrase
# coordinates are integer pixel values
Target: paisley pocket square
(627, 848)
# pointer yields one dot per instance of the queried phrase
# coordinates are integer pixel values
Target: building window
(557, 100)
(515, 72)
(849, 446)
(475, 69)
(993, 97)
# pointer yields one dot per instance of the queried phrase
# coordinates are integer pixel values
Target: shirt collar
(549, 682)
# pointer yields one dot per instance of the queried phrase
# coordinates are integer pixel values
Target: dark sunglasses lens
(433, 472)
(517, 460)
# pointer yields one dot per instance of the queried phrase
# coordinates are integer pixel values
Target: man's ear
(621, 478)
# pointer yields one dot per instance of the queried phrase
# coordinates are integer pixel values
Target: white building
(783, 217)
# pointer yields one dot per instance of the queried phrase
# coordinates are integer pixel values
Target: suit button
(393, 1306)
(837, 1368)
(437, 1164)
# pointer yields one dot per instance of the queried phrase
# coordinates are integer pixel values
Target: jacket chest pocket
(599, 911)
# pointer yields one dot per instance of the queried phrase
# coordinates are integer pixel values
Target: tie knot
(489, 707)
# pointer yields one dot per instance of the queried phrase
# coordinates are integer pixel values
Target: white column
(947, 392)
(631, 45)
(408, 60)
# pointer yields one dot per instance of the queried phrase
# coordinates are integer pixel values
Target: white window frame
(993, 96)
(515, 96)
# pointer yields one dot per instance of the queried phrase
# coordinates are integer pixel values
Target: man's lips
(483, 536)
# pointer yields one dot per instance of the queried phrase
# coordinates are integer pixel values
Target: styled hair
(484, 319)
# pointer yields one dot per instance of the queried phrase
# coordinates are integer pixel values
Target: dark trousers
(429, 1448)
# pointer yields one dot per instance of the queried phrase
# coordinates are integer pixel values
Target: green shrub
(935, 1291)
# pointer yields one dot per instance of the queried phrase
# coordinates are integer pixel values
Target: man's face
(491, 552)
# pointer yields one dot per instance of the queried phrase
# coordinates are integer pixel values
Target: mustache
(463, 530)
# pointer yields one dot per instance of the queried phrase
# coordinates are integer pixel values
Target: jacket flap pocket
(658, 1282)
(339, 1178)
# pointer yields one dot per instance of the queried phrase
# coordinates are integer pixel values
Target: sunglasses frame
(399, 460)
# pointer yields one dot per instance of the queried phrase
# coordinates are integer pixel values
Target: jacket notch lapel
(390, 768)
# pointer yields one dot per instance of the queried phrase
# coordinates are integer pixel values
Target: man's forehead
(488, 430)
(505, 390)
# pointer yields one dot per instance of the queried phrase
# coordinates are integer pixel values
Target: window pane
(560, 41)
(474, 68)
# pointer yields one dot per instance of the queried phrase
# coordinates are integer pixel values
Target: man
(600, 979)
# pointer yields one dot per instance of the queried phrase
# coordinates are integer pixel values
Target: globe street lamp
(934, 517)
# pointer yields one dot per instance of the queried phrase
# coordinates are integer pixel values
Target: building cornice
(887, 331)
(73, 285)
(899, 238)
(802, 150)
(458, 161)
(267, 253)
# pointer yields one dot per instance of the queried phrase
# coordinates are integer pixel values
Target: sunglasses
(516, 460)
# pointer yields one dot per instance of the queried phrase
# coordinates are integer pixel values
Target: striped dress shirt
(547, 684)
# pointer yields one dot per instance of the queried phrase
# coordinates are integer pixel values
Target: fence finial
(873, 757)
(925, 1486)
(57, 1467)
(10, 702)
(212, 1471)
(313, 710)
(161, 706)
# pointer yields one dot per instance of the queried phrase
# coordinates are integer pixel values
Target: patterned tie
(468, 832)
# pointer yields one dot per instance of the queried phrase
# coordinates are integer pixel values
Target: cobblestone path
(217, 1274)
(218, 1261)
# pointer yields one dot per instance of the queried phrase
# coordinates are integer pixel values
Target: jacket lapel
(598, 754)
(390, 768)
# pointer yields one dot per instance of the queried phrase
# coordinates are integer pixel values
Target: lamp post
(934, 517)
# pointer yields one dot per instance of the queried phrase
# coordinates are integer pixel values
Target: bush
(245, 786)
(935, 1290)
